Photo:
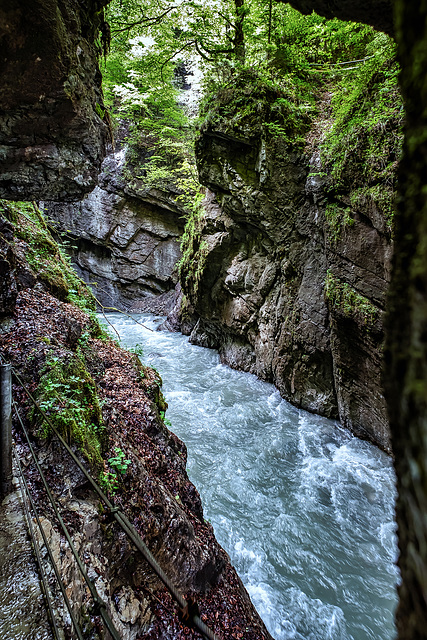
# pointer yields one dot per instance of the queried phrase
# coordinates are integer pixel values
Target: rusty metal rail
(188, 610)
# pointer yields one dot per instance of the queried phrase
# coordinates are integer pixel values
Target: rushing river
(305, 510)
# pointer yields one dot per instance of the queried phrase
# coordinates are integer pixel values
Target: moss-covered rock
(67, 394)
(286, 266)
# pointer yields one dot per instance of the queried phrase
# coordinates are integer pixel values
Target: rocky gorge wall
(107, 403)
(52, 129)
(124, 236)
(285, 272)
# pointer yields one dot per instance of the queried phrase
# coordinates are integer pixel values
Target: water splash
(305, 510)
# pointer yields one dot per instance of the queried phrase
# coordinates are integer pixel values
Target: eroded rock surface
(52, 135)
(126, 237)
(282, 289)
(23, 612)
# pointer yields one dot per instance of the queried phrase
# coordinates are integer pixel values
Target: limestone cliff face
(126, 237)
(52, 135)
(41, 335)
(292, 277)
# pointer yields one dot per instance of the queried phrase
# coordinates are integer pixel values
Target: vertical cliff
(406, 355)
(285, 269)
(124, 236)
(52, 134)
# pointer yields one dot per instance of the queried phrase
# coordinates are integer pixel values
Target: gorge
(304, 509)
(53, 133)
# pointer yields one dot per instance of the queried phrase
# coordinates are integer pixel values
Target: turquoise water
(305, 510)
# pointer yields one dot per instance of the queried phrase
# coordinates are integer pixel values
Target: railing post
(5, 429)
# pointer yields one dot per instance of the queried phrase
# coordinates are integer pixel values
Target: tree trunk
(239, 36)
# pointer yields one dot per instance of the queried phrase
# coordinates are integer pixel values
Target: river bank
(110, 408)
(304, 509)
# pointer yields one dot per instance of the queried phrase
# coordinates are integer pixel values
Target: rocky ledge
(68, 362)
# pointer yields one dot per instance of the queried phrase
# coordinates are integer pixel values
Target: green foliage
(118, 462)
(256, 103)
(301, 41)
(194, 253)
(48, 260)
(140, 89)
(137, 350)
(109, 481)
(337, 217)
(67, 394)
(362, 150)
(166, 421)
(342, 297)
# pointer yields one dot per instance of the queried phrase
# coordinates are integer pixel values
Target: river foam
(304, 509)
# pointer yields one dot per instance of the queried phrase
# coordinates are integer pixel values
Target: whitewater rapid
(304, 509)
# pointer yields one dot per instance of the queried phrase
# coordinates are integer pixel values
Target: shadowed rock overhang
(378, 13)
(52, 134)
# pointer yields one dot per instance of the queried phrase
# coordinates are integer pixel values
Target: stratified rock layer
(281, 290)
(125, 238)
(52, 138)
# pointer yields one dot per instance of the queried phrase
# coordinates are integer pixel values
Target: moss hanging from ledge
(362, 149)
(252, 104)
(343, 298)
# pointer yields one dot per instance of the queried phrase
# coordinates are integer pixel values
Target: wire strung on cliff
(188, 611)
(339, 64)
(48, 549)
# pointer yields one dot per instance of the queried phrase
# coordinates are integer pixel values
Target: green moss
(338, 218)
(362, 149)
(47, 259)
(67, 394)
(381, 196)
(252, 103)
(194, 253)
(342, 297)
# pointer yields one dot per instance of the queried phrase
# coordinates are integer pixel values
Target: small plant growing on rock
(67, 394)
(166, 421)
(137, 350)
(109, 480)
(119, 462)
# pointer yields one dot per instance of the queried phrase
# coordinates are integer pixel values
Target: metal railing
(5, 428)
(188, 610)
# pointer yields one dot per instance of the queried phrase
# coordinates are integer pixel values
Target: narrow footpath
(22, 608)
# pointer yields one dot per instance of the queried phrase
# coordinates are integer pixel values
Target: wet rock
(52, 136)
(261, 296)
(126, 238)
(22, 606)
